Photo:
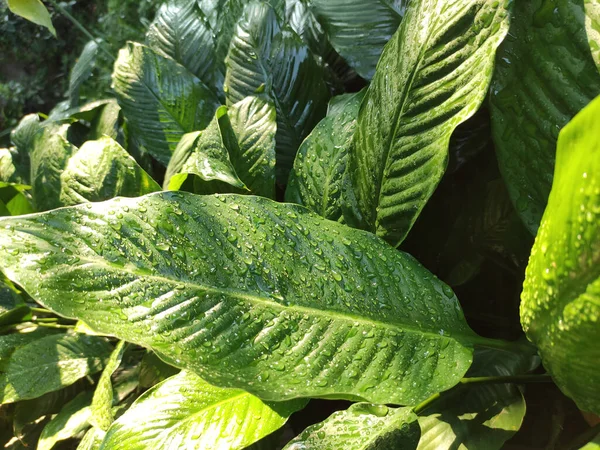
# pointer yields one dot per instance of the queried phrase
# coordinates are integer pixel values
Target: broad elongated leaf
(11, 342)
(49, 158)
(71, 420)
(101, 408)
(316, 181)
(49, 364)
(247, 293)
(34, 11)
(81, 71)
(359, 29)
(560, 304)
(187, 412)
(432, 76)
(101, 170)
(263, 57)
(363, 426)
(545, 74)
(161, 99)
(182, 32)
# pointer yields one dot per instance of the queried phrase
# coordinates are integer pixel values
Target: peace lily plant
(189, 263)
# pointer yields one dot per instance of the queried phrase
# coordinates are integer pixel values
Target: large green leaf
(161, 99)
(34, 11)
(247, 293)
(92, 440)
(560, 304)
(363, 426)
(316, 181)
(101, 170)
(187, 412)
(11, 342)
(263, 57)
(70, 421)
(432, 76)
(81, 71)
(49, 364)
(182, 32)
(545, 74)
(359, 29)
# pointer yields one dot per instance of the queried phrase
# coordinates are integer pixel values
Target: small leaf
(363, 426)
(72, 420)
(560, 303)
(92, 440)
(101, 170)
(34, 11)
(81, 71)
(106, 123)
(14, 199)
(49, 364)
(187, 412)
(12, 305)
(161, 99)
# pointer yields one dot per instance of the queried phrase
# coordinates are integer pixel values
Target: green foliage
(215, 316)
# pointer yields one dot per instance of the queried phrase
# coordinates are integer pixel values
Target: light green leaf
(34, 11)
(70, 421)
(203, 154)
(81, 71)
(592, 28)
(14, 199)
(187, 412)
(51, 151)
(161, 100)
(247, 293)
(92, 440)
(101, 408)
(106, 123)
(49, 364)
(545, 74)
(432, 76)
(182, 32)
(316, 181)
(101, 170)
(594, 444)
(265, 58)
(359, 29)
(560, 304)
(363, 426)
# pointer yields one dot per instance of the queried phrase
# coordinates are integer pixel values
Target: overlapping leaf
(70, 421)
(247, 293)
(432, 76)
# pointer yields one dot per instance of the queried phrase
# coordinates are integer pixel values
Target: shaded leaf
(14, 199)
(11, 342)
(106, 123)
(70, 421)
(153, 370)
(81, 71)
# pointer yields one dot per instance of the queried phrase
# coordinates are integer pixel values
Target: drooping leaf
(101, 170)
(358, 30)
(153, 370)
(247, 293)
(181, 31)
(34, 11)
(190, 413)
(49, 364)
(316, 181)
(81, 71)
(545, 74)
(479, 417)
(203, 154)
(101, 408)
(560, 304)
(432, 76)
(161, 99)
(265, 58)
(70, 421)
(363, 426)
(49, 157)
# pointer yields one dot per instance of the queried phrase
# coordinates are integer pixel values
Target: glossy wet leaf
(101, 406)
(433, 75)
(247, 293)
(190, 413)
(34, 11)
(49, 364)
(161, 99)
(70, 421)
(479, 417)
(316, 180)
(81, 71)
(560, 304)
(363, 426)
(181, 31)
(545, 74)
(101, 170)
(263, 57)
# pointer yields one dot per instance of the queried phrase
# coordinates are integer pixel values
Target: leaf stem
(54, 325)
(82, 28)
(41, 310)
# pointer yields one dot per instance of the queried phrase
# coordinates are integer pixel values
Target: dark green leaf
(12, 305)
(545, 74)
(432, 76)
(11, 342)
(81, 71)
(70, 421)
(153, 370)
(14, 199)
(248, 293)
